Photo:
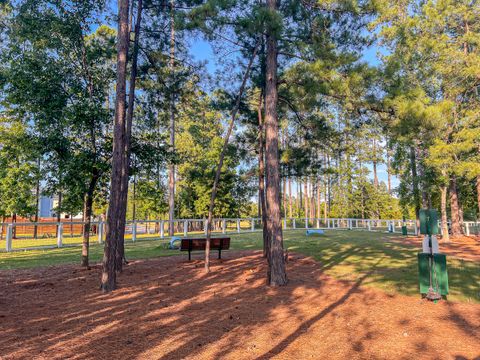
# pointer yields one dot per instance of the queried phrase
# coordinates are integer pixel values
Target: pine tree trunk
(120, 251)
(375, 175)
(114, 229)
(456, 225)
(261, 178)
(277, 275)
(329, 186)
(171, 168)
(444, 191)
(290, 199)
(305, 197)
(318, 199)
(37, 202)
(415, 189)
(325, 200)
(478, 195)
(298, 198)
(312, 199)
(389, 175)
(87, 210)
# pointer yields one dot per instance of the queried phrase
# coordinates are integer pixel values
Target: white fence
(69, 233)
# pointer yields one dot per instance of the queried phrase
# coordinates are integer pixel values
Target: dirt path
(167, 308)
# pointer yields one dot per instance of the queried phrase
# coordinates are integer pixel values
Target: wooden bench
(199, 244)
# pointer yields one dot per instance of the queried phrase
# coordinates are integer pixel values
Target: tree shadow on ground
(168, 308)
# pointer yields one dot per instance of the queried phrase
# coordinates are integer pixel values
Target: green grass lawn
(390, 266)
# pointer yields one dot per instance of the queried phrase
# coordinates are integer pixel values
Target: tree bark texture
(456, 225)
(114, 230)
(277, 273)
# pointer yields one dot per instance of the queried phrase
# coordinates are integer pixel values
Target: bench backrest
(200, 244)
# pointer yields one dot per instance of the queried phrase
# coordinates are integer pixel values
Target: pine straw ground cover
(167, 308)
(388, 261)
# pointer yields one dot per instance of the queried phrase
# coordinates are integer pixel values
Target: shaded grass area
(346, 255)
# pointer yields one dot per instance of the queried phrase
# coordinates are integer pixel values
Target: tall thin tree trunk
(319, 215)
(171, 168)
(329, 185)
(375, 175)
(120, 251)
(222, 156)
(261, 177)
(87, 210)
(445, 235)
(325, 201)
(114, 228)
(134, 197)
(298, 200)
(456, 225)
(312, 198)
(389, 174)
(290, 199)
(277, 275)
(478, 195)
(37, 203)
(415, 189)
(305, 197)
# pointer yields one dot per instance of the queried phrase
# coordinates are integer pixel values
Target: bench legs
(220, 253)
(189, 255)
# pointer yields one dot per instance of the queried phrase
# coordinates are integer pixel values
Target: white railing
(69, 233)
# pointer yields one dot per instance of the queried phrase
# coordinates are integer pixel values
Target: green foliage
(18, 170)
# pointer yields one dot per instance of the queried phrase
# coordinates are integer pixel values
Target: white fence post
(60, 235)
(369, 223)
(185, 227)
(318, 223)
(134, 231)
(294, 223)
(100, 232)
(253, 224)
(238, 225)
(162, 229)
(467, 229)
(224, 226)
(415, 227)
(285, 223)
(306, 223)
(8, 246)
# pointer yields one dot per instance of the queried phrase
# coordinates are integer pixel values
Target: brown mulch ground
(168, 308)
(464, 247)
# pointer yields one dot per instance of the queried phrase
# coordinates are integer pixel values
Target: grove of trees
(356, 108)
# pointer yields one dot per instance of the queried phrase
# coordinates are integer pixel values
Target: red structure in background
(46, 227)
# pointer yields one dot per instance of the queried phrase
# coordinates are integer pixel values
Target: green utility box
(404, 230)
(439, 273)
(428, 221)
